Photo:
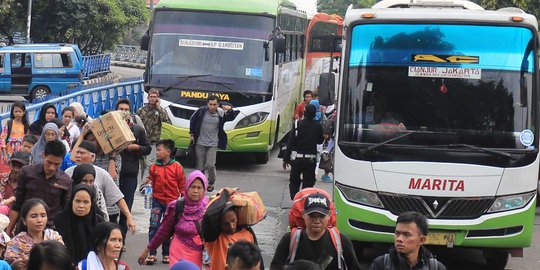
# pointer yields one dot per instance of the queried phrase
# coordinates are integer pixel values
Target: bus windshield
(228, 47)
(444, 84)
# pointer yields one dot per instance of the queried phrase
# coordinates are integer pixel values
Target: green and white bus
(438, 113)
(248, 53)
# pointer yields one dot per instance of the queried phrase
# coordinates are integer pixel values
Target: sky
(309, 6)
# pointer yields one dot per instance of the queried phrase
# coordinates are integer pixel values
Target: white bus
(248, 53)
(438, 113)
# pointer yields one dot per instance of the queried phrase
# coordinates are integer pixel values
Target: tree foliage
(95, 25)
(11, 18)
(532, 7)
(334, 6)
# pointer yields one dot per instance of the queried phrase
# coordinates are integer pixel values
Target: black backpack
(432, 265)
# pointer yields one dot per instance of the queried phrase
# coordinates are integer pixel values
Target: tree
(334, 6)
(532, 7)
(95, 25)
(11, 14)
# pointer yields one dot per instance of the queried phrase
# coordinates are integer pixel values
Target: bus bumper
(250, 139)
(510, 230)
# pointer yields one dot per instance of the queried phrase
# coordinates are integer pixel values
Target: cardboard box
(112, 131)
(251, 209)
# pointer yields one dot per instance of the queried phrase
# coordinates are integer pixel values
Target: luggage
(251, 208)
(212, 216)
(297, 208)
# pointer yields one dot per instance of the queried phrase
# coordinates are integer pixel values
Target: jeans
(149, 159)
(156, 214)
(206, 161)
(128, 185)
(304, 167)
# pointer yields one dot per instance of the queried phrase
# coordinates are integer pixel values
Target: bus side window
(1, 62)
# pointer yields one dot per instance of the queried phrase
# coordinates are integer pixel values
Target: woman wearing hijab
(46, 114)
(77, 221)
(50, 132)
(186, 244)
(86, 174)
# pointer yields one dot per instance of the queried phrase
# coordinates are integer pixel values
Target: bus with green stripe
(250, 54)
(438, 113)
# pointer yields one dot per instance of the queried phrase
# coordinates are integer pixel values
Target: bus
(323, 48)
(438, 114)
(250, 54)
(37, 70)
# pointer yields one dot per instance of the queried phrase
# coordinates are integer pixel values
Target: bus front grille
(437, 208)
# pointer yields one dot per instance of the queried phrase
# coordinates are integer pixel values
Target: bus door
(5, 81)
(21, 73)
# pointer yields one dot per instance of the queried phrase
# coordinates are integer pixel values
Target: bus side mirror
(279, 43)
(144, 42)
(327, 89)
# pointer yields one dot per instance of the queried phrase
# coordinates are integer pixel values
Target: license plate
(441, 239)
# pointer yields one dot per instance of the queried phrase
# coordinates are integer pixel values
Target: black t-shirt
(315, 251)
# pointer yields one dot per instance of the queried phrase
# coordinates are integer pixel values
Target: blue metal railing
(94, 100)
(96, 64)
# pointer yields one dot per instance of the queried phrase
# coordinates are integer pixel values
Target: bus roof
(245, 6)
(504, 15)
(43, 47)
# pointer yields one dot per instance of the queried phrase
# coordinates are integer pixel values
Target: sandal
(165, 259)
(210, 188)
(150, 260)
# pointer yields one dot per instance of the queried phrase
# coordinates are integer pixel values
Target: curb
(107, 78)
(128, 64)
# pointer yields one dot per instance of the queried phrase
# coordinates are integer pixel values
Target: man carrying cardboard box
(131, 156)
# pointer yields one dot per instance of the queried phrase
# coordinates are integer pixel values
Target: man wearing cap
(85, 153)
(301, 151)
(8, 185)
(315, 242)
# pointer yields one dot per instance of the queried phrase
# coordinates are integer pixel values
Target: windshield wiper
(183, 79)
(490, 151)
(224, 84)
(373, 147)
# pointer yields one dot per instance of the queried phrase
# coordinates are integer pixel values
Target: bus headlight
(360, 196)
(252, 119)
(511, 202)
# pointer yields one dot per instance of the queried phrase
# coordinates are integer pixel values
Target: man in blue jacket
(206, 131)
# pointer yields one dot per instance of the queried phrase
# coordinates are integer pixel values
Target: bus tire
(39, 92)
(262, 158)
(496, 259)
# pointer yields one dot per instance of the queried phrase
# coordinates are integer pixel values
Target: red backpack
(297, 224)
(297, 208)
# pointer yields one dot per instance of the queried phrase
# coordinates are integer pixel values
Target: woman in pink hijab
(186, 244)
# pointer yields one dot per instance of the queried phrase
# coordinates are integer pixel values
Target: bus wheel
(496, 259)
(39, 92)
(262, 158)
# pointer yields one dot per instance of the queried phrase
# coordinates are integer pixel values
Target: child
(11, 139)
(63, 136)
(168, 182)
(28, 142)
(68, 116)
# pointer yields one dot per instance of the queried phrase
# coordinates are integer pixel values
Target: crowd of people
(66, 204)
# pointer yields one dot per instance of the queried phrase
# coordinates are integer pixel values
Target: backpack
(297, 208)
(328, 125)
(178, 212)
(432, 265)
(297, 223)
(336, 241)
